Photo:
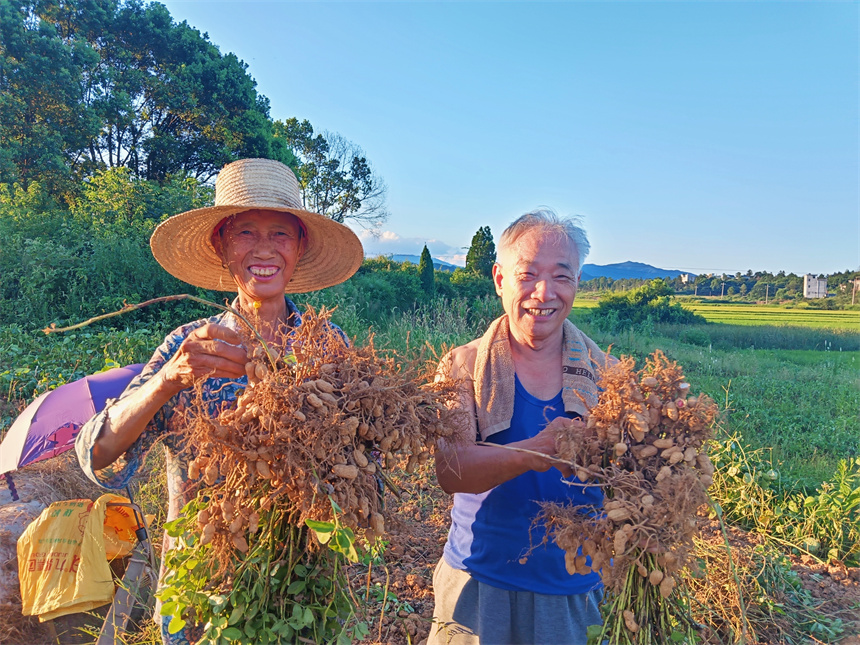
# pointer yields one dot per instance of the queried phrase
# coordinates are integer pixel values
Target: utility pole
(723, 291)
(766, 287)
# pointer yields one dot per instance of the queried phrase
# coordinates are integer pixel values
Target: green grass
(800, 406)
(805, 412)
(737, 313)
(787, 337)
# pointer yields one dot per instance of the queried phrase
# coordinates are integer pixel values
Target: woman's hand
(210, 351)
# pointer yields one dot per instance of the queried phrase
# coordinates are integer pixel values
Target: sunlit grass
(738, 313)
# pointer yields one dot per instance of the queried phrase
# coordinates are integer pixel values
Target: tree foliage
(482, 253)
(335, 177)
(42, 130)
(426, 273)
(94, 84)
(62, 265)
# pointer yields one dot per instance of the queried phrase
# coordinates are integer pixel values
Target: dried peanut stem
(174, 298)
(528, 452)
(744, 621)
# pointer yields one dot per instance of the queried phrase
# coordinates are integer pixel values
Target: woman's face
(261, 249)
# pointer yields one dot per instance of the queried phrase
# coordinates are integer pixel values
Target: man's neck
(538, 365)
(531, 350)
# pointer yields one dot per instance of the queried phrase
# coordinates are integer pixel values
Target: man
(529, 375)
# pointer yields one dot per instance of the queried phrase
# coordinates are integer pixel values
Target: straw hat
(183, 246)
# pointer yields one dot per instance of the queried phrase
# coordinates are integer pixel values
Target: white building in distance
(814, 287)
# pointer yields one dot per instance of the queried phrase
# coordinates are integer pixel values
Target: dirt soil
(416, 547)
(838, 588)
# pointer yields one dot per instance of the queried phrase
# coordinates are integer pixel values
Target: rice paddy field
(739, 313)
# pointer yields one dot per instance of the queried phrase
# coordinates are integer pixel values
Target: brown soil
(414, 549)
(838, 589)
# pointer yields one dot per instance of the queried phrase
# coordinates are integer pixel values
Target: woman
(256, 239)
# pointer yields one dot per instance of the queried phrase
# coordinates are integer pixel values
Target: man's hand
(546, 441)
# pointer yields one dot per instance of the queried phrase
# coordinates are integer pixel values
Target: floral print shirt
(217, 393)
(165, 426)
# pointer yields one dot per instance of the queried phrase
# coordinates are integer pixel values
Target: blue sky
(702, 136)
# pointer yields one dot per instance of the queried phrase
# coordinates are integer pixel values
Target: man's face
(537, 278)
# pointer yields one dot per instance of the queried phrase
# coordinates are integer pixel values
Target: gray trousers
(469, 612)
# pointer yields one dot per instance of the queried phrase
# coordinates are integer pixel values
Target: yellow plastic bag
(119, 530)
(62, 559)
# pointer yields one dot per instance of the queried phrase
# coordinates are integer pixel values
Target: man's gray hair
(546, 221)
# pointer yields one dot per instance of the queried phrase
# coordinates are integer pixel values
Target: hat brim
(183, 246)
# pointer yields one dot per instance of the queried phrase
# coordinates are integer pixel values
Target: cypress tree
(482, 253)
(425, 272)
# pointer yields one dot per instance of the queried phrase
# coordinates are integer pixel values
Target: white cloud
(389, 242)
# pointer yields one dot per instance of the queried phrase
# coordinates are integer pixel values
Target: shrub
(752, 494)
(471, 285)
(61, 265)
(648, 305)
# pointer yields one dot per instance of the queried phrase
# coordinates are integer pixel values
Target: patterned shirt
(217, 393)
(165, 426)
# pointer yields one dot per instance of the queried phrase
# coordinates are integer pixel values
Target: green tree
(335, 177)
(715, 286)
(43, 128)
(168, 100)
(468, 284)
(426, 273)
(94, 84)
(482, 253)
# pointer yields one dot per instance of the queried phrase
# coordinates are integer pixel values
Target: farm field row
(740, 313)
(750, 314)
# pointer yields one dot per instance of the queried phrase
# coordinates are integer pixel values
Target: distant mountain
(627, 270)
(619, 271)
(439, 265)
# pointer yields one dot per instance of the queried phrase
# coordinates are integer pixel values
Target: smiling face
(537, 278)
(261, 249)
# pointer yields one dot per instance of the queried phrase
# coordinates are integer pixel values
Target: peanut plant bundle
(298, 462)
(644, 443)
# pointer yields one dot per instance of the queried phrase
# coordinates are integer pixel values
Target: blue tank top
(491, 531)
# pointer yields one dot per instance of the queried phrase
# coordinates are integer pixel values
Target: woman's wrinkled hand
(210, 351)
